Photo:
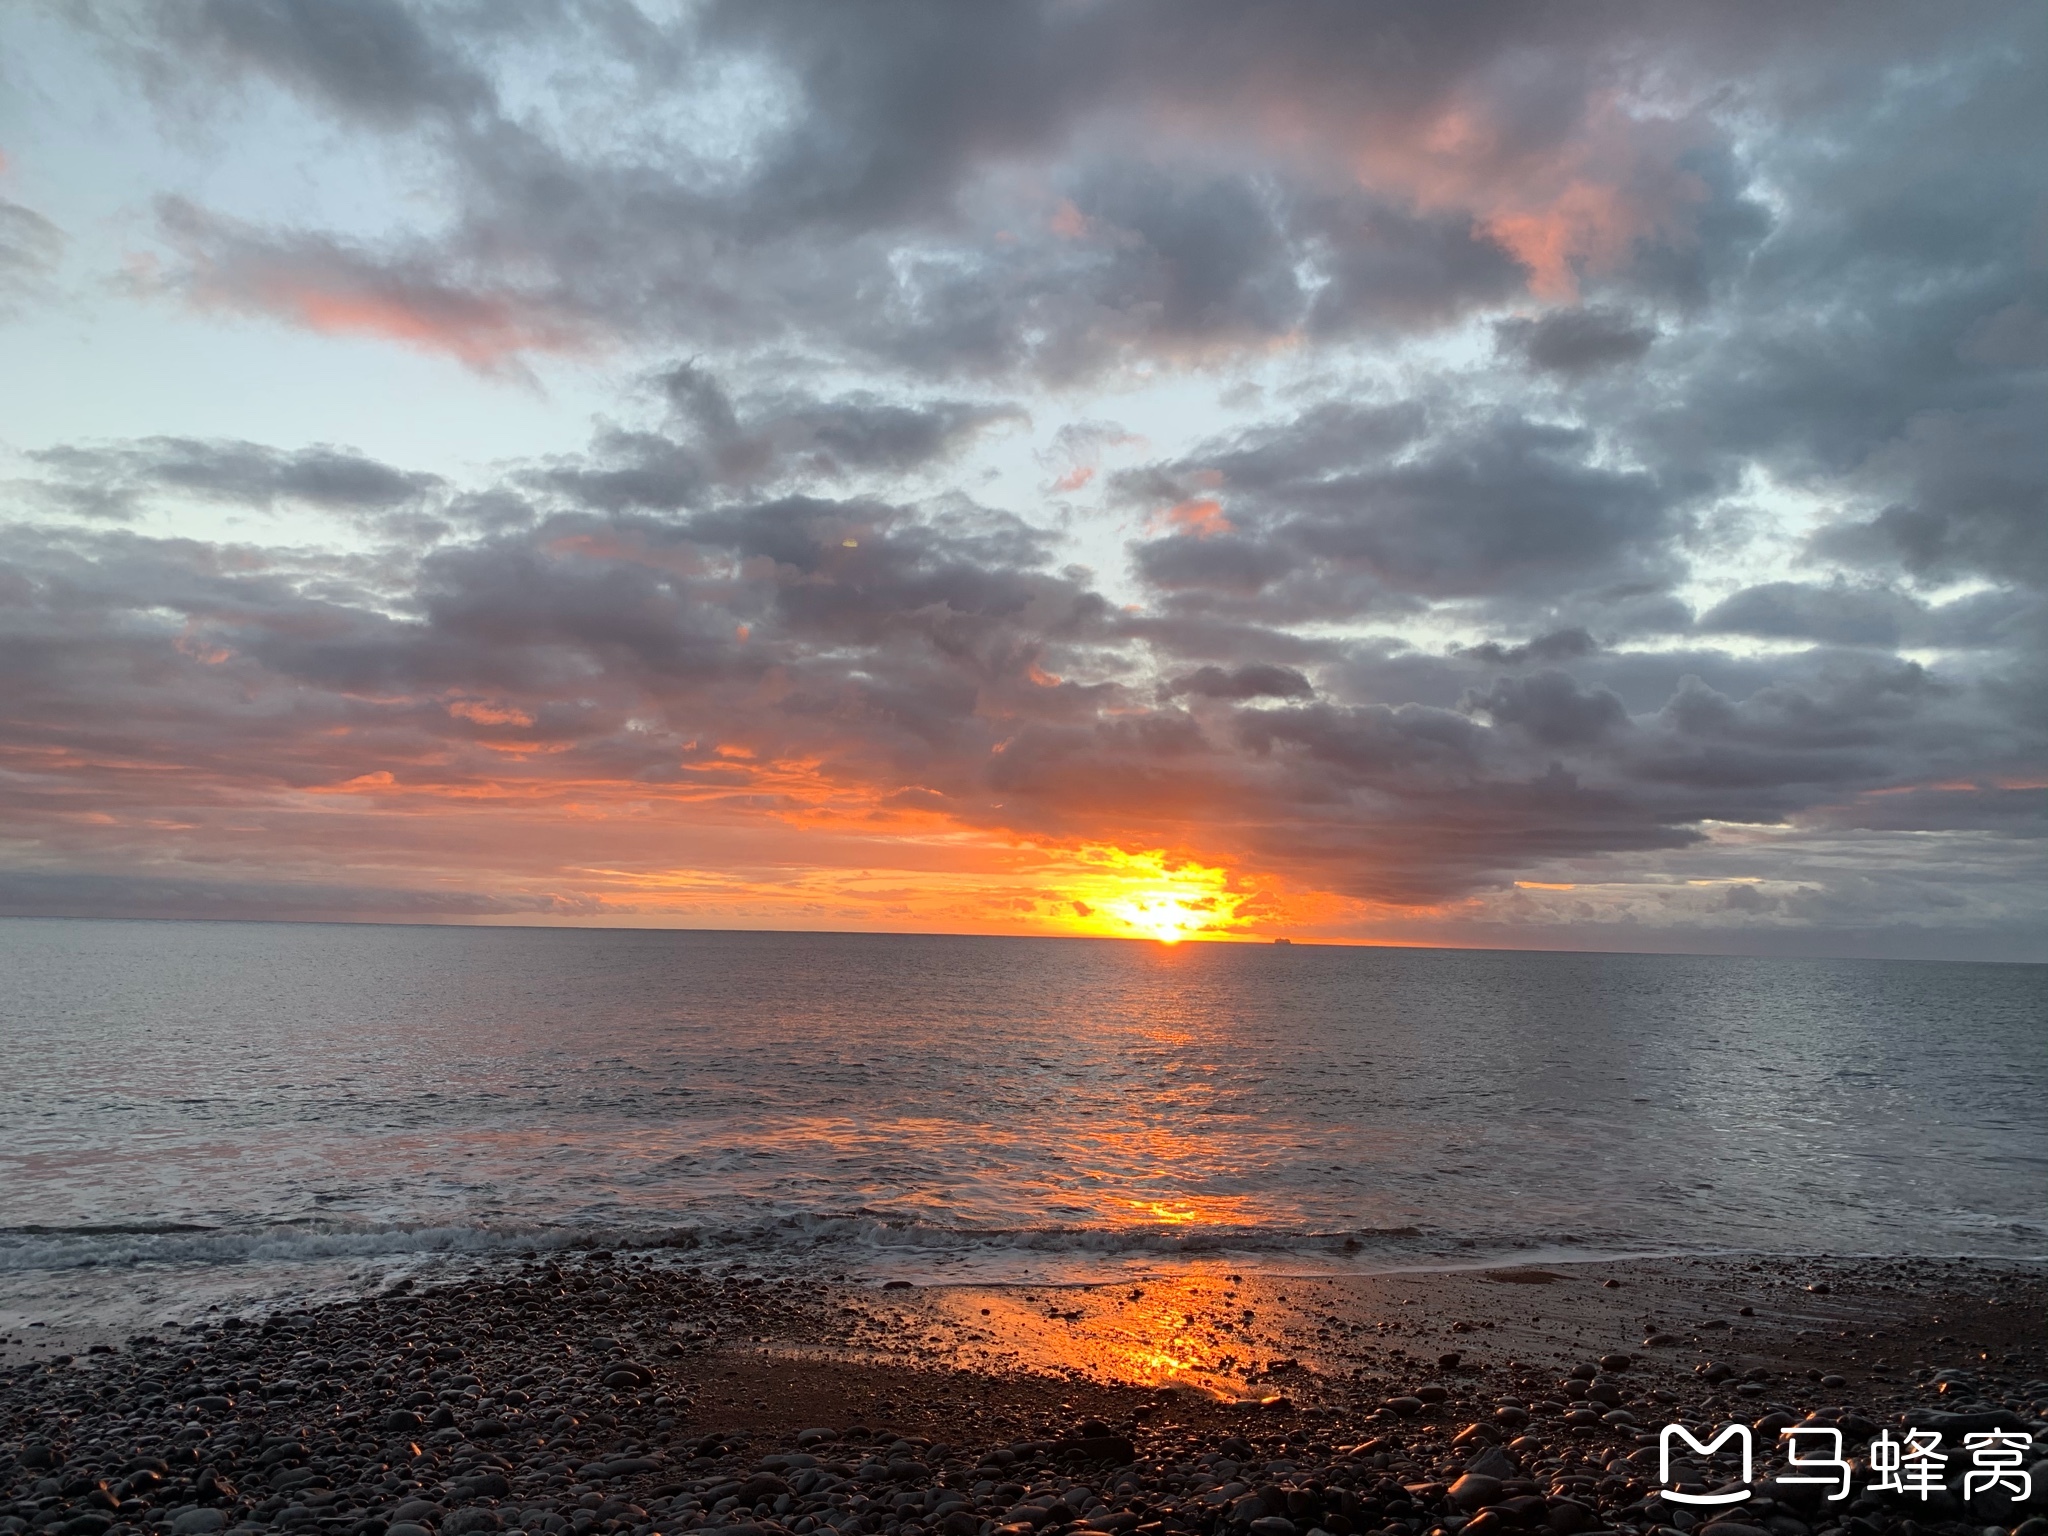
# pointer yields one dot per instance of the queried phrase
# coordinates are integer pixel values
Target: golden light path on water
(1187, 1330)
(1241, 1334)
(300, 1108)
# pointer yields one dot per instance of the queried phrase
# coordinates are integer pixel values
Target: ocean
(199, 1115)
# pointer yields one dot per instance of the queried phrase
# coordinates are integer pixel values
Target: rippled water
(182, 1102)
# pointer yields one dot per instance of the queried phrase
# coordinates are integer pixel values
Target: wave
(29, 1248)
(108, 1229)
(851, 1237)
(862, 1244)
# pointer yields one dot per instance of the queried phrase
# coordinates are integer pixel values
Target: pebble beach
(629, 1394)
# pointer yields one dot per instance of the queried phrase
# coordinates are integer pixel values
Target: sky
(1530, 475)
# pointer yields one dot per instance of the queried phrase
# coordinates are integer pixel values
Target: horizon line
(1213, 940)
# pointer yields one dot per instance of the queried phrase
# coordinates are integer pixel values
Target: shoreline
(146, 1295)
(637, 1389)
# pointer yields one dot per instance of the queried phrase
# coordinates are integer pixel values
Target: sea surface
(213, 1114)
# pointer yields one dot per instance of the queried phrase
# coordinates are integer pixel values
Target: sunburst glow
(1164, 915)
(1150, 895)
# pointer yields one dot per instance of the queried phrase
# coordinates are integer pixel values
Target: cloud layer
(1622, 519)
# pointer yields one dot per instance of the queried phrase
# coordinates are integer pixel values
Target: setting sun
(1147, 895)
(1163, 915)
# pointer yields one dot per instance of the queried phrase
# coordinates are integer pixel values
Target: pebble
(1493, 1462)
(1474, 1491)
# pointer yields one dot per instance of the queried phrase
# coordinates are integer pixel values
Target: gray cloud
(1873, 614)
(1552, 708)
(1353, 511)
(108, 480)
(1254, 680)
(30, 246)
(897, 646)
(1576, 340)
(1560, 645)
(714, 443)
(203, 894)
(1358, 212)
(375, 60)
(1975, 496)
(1720, 274)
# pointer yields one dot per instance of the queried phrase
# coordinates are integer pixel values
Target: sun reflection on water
(1192, 1330)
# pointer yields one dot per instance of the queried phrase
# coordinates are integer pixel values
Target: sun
(1163, 915)
(1150, 895)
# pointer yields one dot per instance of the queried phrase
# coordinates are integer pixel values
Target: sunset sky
(1536, 475)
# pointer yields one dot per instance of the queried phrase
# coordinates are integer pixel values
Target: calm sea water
(193, 1110)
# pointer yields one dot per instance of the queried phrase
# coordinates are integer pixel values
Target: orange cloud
(1203, 517)
(333, 288)
(1564, 209)
(1585, 225)
(488, 714)
(480, 332)
(1567, 202)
